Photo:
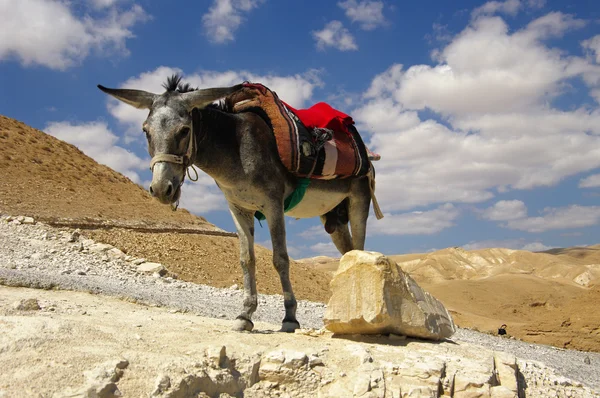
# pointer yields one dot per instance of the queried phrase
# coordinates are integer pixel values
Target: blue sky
(486, 114)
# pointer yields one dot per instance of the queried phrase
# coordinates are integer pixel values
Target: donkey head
(169, 130)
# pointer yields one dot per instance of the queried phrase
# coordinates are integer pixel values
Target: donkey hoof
(242, 324)
(289, 327)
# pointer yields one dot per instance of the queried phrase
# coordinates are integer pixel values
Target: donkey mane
(174, 84)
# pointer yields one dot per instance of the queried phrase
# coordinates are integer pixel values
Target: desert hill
(52, 181)
(576, 265)
(547, 297)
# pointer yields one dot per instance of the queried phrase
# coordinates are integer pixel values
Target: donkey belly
(317, 202)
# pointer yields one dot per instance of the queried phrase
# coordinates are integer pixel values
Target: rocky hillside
(52, 181)
(49, 179)
(580, 266)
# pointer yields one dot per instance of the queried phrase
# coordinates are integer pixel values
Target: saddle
(317, 143)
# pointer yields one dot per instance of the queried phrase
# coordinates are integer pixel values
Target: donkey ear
(203, 97)
(138, 98)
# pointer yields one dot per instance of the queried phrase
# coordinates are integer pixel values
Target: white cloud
(415, 223)
(97, 141)
(47, 32)
(537, 247)
(103, 3)
(592, 181)
(505, 210)
(515, 244)
(335, 35)
(517, 68)
(573, 216)
(224, 17)
(202, 196)
(492, 90)
(293, 89)
(314, 232)
(368, 13)
(325, 249)
(385, 116)
(510, 7)
(593, 45)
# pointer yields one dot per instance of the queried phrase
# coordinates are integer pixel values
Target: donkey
(238, 150)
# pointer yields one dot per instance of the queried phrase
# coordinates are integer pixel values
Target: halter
(186, 160)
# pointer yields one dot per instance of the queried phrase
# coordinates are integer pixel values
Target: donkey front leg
(281, 261)
(244, 222)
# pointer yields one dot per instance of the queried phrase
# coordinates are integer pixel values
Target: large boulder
(372, 295)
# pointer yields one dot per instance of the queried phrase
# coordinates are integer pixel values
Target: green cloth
(292, 200)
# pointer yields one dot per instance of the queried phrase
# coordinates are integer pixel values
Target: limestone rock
(163, 383)
(101, 382)
(152, 268)
(28, 221)
(27, 305)
(372, 295)
(506, 371)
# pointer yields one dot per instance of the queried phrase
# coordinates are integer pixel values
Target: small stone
(587, 360)
(217, 355)
(74, 236)
(28, 221)
(80, 272)
(138, 261)
(39, 256)
(163, 383)
(122, 364)
(234, 287)
(362, 385)
(314, 360)
(151, 268)
(115, 253)
(27, 305)
(99, 247)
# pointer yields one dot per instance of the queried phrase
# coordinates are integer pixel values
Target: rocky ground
(172, 338)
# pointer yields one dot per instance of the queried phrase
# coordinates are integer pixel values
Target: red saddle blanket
(320, 142)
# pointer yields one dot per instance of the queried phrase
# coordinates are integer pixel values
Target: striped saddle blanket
(319, 142)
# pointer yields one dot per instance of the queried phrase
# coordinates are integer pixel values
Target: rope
(376, 208)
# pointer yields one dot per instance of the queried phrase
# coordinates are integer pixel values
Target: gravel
(38, 256)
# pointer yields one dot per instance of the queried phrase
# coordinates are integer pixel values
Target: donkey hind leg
(358, 211)
(340, 236)
(281, 261)
(244, 222)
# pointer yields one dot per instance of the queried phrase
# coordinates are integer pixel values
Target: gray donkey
(239, 151)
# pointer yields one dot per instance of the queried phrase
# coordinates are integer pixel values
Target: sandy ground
(74, 341)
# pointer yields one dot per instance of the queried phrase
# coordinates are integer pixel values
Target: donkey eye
(181, 134)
